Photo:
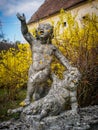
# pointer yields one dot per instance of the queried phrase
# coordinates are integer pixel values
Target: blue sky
(10, 23)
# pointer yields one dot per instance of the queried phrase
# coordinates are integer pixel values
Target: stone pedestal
(87, 119)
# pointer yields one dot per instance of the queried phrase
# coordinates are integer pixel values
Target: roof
(50, 7)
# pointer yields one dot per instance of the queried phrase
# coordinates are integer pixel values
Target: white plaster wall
(81, 10)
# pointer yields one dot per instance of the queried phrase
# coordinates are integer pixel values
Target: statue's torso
(42, 55)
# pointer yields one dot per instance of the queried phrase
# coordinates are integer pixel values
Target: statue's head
(44, 31)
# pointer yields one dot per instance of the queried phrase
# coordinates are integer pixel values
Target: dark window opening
(64, 24)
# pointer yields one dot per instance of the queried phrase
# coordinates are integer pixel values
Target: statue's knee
(36, 96)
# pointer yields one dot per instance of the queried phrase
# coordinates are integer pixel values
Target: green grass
(6, 104)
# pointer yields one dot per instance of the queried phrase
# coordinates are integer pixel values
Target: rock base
(87, 119)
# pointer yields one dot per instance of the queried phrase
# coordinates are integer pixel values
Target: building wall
(80, 10)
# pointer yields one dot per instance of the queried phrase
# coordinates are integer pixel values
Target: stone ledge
(87, 119)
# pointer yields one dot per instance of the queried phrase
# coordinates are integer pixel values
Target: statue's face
(44, 30)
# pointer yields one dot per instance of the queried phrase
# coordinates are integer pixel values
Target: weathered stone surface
(86, 119)
(62, 93)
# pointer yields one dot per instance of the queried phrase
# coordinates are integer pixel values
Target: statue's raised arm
(24, 28)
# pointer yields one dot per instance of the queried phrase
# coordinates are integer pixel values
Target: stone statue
(42, 55)
(62, 93)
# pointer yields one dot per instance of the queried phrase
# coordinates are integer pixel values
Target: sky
(10, 23)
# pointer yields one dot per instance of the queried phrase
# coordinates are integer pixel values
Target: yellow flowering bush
(79, 43)
(14, 65)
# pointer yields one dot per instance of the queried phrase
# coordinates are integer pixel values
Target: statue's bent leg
(35, 78)
(30, 88)
(38, 78)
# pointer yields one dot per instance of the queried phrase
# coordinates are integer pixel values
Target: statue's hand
(21, 17)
